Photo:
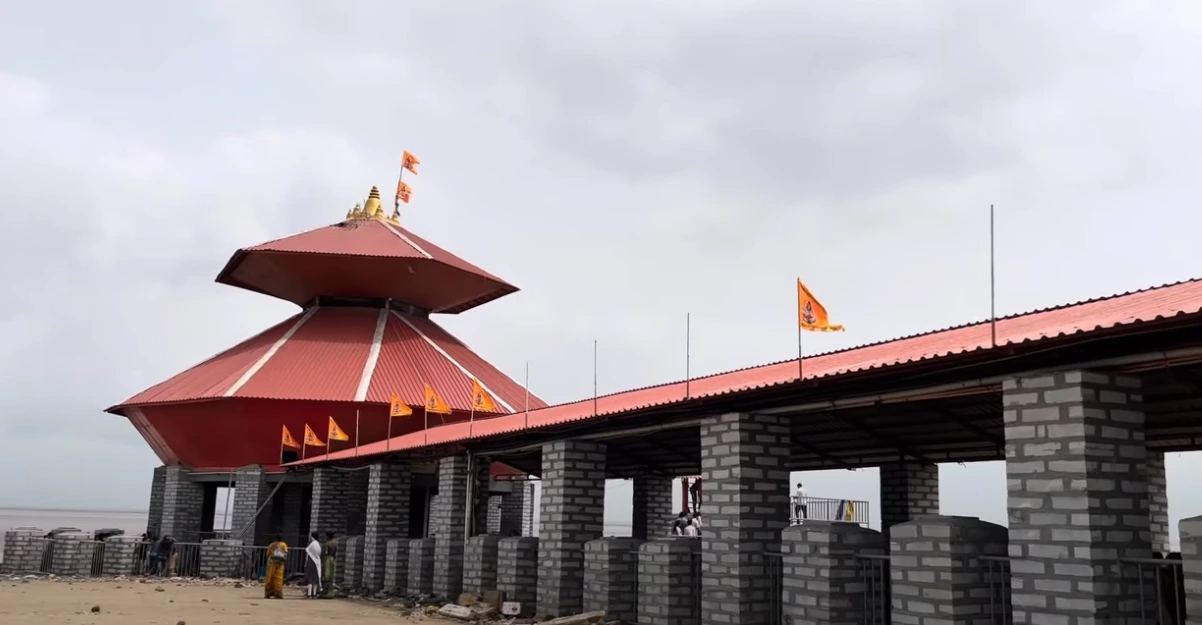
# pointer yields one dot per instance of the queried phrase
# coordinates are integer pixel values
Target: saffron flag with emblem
(287, 441)
(481, 399)
(409, 161)
(850, 511)
(403, 192)
(398, 408)
(335, 433)
(311, 439)
(434, 403)
(811, 315)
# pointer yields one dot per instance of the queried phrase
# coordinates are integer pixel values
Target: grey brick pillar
(494, 514)
(183, 500)
(449, 525)
(396, 566)
(652, 515)
(908, 490)
(1158, 502)
(668, 573)
(571, 513)
(154, 516)
(611, 578)
(517, 571)
(356, 503)
(480, 564)
(387, 518)
(938, 576)
(250, 492)
(352, 566)
(1190, 531)
(528, 510)
(823, 583)
(513, 507)
(421, 566)
(746, 505)
(119, 555)
(331, 497)
(1075, 460)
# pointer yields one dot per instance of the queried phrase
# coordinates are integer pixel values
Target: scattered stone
(468, 599)
(180, 623)
(431, 609)
(587, 618)
(456, 611)
(95, 609)
(160, 589)
(204, 600)
(237, 584)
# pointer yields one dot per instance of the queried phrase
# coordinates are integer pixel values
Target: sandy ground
(130, 602)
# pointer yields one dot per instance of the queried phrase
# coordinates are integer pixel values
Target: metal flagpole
(426, 425)
(688, 336)
(527, 393)
(304, 445)
(992, 285)
(356, 432)
(594, 377)
(471, 416)
(800, 373)
(388, 439)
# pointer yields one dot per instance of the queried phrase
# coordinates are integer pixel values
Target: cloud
(624, 163)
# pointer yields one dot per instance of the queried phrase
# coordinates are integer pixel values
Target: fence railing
(874, 580)
(826, 509)
(1160, 585)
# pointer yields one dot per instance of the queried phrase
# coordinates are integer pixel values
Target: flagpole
(304, 447)
(426, 425)
(992, 284)
(527, 393)
(594, 377)
(396, 204)
(800, 372)
(356, 432)
(688, 337)
(388, 439)
(471, 417)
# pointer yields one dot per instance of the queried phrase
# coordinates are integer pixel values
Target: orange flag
(409, 161)
(403, 192)
(311, 439)
(481, 400)
(434, 403)
(288, 441)
(398, 408)
(336, 433)
(811, 315)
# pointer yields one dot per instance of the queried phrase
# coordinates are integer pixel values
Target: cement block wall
(937, 573)
(611, 578)
(449, 526)
(120, 555)
(23, 549)
(669, 569)
(824, 574)
(220, 558)
(421, 566)
(480, 564)
(518, 570)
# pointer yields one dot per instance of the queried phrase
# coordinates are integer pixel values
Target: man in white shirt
(800, 509)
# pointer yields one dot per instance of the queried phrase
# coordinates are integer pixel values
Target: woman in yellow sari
(277, 557)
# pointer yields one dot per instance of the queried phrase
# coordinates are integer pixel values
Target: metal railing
(826, 509)
(1160, 586)
(997, 578)
(775, 563)
(874, 580)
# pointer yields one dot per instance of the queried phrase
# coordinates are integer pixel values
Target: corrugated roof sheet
(325, 357)
(1182, 298)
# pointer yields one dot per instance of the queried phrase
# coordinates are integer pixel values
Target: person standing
(313, 567)
(800, 509)
(329, 553)
(277, 557)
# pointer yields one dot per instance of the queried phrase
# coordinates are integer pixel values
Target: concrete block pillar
(1190, 531)
(331, 498)
(746, 506)
(824, 577)
(396, 566)
(421, 566)
(669, 569)
(183, 500)
(517, 571)
(572, 513)
(120, 554)
(513, 507)
(388, 487)
(220, 558)
(448, 525)
(480, 564)
(356, 503)
(23, 549)
(1075, 464)
(528, 510)
(1158, 502)
(611, 578)
(73, 553)
(938, 576)
(908, 490)
(250, 492)
(494, 514)
(652, 514)
(352, 563)
(154, 517)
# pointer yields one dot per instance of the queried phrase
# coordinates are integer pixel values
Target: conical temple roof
(366, 257)
(341, 354)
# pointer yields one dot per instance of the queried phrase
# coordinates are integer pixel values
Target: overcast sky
(622, 162)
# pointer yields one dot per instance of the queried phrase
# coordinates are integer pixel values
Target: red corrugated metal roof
(323, 354)
(368, 238)
(1183, 298)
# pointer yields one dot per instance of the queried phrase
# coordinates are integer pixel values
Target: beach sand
(130, 602)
